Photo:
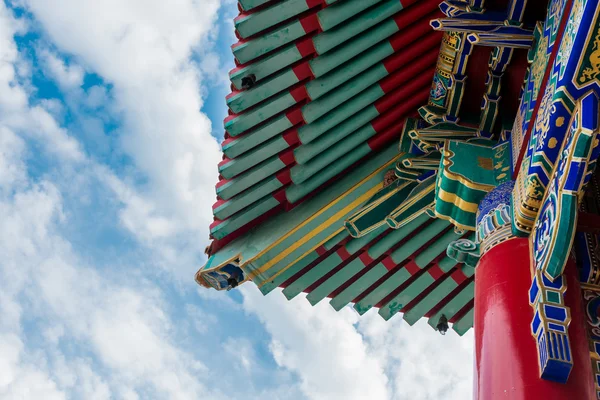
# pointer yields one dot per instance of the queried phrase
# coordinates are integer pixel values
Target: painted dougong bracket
(552, 239)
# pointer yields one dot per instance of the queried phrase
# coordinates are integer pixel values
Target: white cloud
(145, 48)
(339, 355)
(321, 346)
(67, 76)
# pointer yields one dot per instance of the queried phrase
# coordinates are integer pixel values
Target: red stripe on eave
(421, 50)
(417, 85)
(542, 90)
(406, 3)
(365, 258)
(230, 117)
(314, 3)
(215, 223)
(311, 23)
(221, 183)
(388, 263)
(412, 267)
(343, 253)
(415, 13)
(218, 204)
(306, 47)
(399, 112)
(284, 176)
(321, 250)
(280, 196)
(439, 277)
(381, 139)
(458, 276)
(287, 157)
(295, 116)
(435, 271)
(303, 71)
(224, 161)
(414, 39)
(462, 312)
(300, 93)
(417, 71)
(291, 137)
(232, 94)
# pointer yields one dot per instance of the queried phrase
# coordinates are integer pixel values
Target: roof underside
(320, 94)
(313, 95)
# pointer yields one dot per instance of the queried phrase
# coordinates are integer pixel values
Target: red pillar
(506, 360)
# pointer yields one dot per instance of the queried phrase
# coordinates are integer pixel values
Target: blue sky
(109, 112)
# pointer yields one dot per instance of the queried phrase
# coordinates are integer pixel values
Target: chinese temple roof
(329, 183)
(318, 88)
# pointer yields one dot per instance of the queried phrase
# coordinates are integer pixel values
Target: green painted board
(298, 266)
(261, 20)
(335, 281)
(407, 295)
(267, 66)
(454, 305)
(465, 323)
(327, 265)
(430, 301)
(362, 119)
(436, 248)
(261, 45)
(245, 199)
(328, 40)
(357, 287)
(381, 291)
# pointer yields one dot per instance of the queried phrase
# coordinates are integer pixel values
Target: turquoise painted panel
(270, 108)
(381, 291)
(287, 274)
(325, 266)
(248, 98)
(263, 68)
(245, 162)
(302, 172)
(335, 15)
(307, 151)
(333, 59)
(436, 248)
(357, 287)
(241, 145)
(395, 236)
(454, 305)
(430, 301)
(465, 323)
(330, 39)
(296, 192)
(264, 19)
(428, 233)
(250, 178)
(310, 132)
(242, 201)
(236, 222)
(250, 4)
(322, 106)
(406, 296)
(297, 267)
(335, 281)
(349, 70)
(248, 51)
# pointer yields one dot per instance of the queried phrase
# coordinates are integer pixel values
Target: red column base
(506, 358)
